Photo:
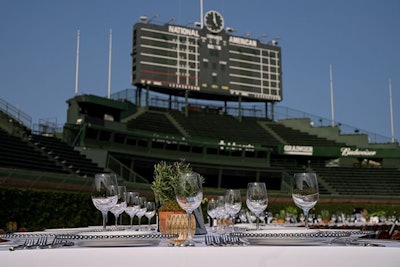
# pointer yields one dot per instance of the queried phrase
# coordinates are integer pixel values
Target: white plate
(252, 226)
(290, 237)
(65, 231)
(116, 238)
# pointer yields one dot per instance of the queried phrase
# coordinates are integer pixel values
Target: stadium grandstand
(128, 136)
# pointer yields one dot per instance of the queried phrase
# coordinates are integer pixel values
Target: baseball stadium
(200, 95)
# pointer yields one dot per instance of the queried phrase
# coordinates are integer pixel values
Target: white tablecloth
(202, 256)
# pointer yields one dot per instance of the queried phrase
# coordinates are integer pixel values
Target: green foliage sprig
(166, 177)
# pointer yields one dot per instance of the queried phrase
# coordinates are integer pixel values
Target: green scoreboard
(206, 61)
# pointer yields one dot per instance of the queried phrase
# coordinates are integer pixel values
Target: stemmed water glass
(305, 192)
(221, 214)
(120, 206)
(150, 212)
(131, 206)
(141, 204)
(104, 193)
(233, 204)
(212, 208)
(189, 193)
(257, 199)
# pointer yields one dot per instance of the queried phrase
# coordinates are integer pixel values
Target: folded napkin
(200, 227)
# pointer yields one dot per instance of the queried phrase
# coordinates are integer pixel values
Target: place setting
(305, 194)
(108, 196)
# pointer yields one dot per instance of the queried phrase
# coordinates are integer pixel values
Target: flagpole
(201, 14)
(109, 64)
(331, 89)
(77, 63)
(391, 110)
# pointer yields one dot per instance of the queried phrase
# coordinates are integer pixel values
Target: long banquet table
(202, 255)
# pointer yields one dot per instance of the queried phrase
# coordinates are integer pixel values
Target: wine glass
(141, 204)
(257, 199)
(233, 204)
(104, 193)
(305, 192)
(189, 193)
(150, 212)
(221, 214)
(119, 208)
(212, 207)
(131, 207)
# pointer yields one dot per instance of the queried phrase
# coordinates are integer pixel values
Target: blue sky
(360, 38)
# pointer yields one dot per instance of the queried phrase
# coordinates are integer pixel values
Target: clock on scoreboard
(206, 60)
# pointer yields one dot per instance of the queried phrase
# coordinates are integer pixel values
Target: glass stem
(116, 220)
(189, 234)
(233, 223)
(306, 218)
(131, 224)
(104, 220)
(257, 222)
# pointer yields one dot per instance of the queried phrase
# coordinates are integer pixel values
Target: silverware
(42, 243)
(28, 244)
(224, 240)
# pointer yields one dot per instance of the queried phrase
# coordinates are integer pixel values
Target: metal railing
(15, 113)
(123, 171)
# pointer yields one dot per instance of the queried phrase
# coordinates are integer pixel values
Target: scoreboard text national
(207, 61)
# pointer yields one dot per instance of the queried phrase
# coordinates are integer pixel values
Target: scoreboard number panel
(205, 61)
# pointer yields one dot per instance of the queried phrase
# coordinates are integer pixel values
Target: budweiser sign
(348, 152)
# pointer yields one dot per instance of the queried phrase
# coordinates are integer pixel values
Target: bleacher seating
(224, 127)
(361, 181)
(153, 121)
(15, 153)
(66, 155)
(291, 167)
(297, 137)
(47, 153)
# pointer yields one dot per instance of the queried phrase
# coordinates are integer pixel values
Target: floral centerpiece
(166, 177)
